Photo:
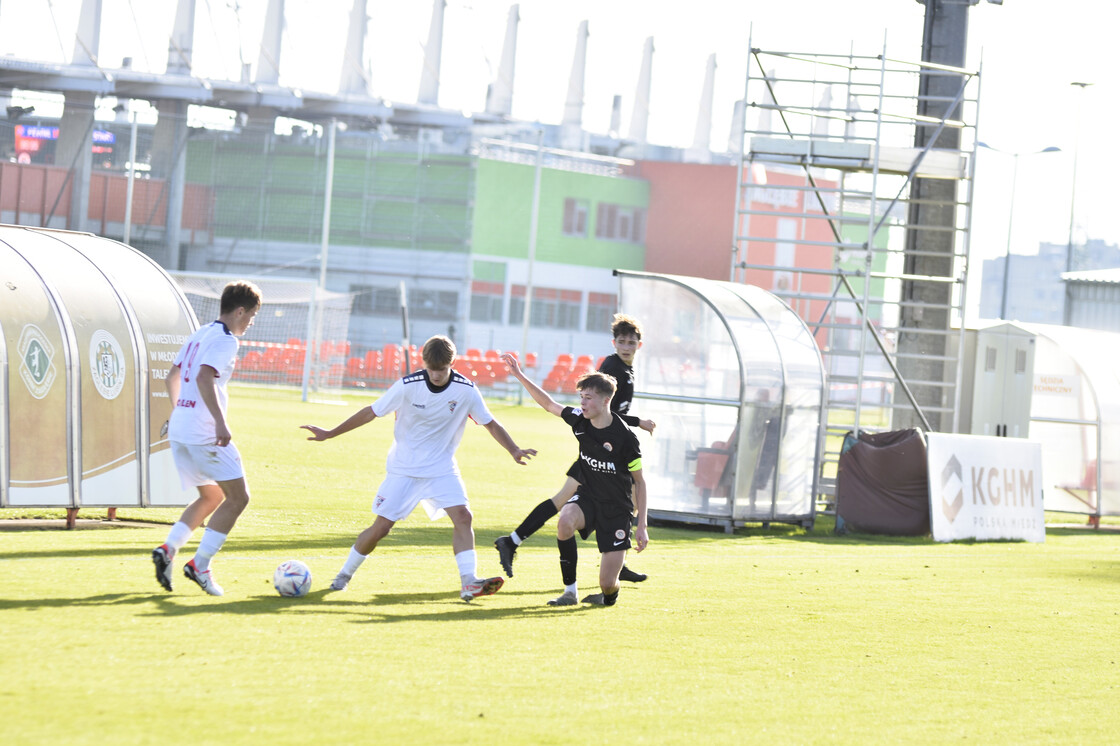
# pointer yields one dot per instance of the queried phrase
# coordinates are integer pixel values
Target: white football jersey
(430, 423)
(212, 345)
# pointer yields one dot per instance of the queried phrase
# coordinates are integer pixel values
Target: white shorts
(398, 496)
(206, 464)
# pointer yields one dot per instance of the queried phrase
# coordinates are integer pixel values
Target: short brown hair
(600, 383)
(438, 353)
(623, 325)
(240, 294)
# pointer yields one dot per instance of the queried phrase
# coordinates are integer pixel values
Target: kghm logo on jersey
(106, 364)
(36, 361)
(595, 464)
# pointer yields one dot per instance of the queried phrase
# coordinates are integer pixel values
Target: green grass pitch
(765, 636)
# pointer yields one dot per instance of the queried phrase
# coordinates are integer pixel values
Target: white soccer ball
(292, 578)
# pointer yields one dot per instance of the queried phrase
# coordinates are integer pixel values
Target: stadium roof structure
(1105, 276)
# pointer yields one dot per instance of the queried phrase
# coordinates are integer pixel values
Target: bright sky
(1030, 50)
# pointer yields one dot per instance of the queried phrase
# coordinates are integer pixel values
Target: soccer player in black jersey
(610, 484)
(626, 336)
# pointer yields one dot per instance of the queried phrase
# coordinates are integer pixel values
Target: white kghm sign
(982, 487)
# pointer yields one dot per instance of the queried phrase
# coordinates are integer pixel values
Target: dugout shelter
(88, 330)
(735, 382)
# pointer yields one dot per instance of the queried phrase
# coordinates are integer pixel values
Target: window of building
(600, 311)
(424, 303)
(375, 301)
(486, 301)
(575, 218)
(552, 308)
(620, 223)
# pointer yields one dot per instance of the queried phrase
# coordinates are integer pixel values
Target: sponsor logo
(418, 406)
(188, 403)
(106, 364)
(597, 465)
(580, 432)
(952, 483)
(36, 361)
(993, 486)
(619, 543)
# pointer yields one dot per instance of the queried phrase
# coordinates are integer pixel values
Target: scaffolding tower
(853, 206)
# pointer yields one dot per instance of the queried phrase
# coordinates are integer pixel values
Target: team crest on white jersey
(451, 405)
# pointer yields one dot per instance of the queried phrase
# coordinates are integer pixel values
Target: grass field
(775, 636)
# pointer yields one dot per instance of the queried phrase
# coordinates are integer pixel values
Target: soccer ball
(292, 578)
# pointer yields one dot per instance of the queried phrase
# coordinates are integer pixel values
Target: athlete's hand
(522, 455)
(222, 435)
(647, 425)
(641, 537)
(511, 361)
(317, 433)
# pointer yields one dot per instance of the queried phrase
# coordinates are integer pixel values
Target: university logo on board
(36, 361)
(106, 364)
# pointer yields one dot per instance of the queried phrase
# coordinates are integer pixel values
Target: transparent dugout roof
(1075, 414)
(734, 381)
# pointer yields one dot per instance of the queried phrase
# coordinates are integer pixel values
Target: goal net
(276, 349)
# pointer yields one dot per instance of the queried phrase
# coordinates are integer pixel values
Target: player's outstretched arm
(500, 434)
(540, 396)
(641, 533)
(361, 417)
(634, 421)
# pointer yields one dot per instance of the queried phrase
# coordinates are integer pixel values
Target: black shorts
(612, 530)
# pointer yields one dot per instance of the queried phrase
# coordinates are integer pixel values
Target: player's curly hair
(623, 325)
(600, 383)
(438, 353)
(240, 294)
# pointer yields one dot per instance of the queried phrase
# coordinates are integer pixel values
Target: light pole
(1073, 198)
(1011, 216)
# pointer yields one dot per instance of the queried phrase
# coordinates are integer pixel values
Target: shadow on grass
(380, 608)
(326, 539)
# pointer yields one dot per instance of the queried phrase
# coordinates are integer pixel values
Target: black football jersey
(606, 458)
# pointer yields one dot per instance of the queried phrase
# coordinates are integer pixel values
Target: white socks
(211, 542)
(179, 535)
(468, 564)
(353, 562)
(515, 538)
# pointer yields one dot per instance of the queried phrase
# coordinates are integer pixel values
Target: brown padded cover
(882, 484)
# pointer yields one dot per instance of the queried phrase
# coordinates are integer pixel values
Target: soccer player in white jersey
(201, 441)
(432, 407)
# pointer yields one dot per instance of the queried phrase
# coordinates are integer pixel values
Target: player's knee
(460, 516)
(566, 526)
